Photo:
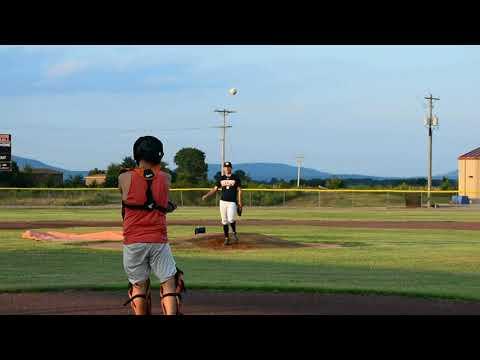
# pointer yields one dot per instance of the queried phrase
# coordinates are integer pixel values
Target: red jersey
(142, 226)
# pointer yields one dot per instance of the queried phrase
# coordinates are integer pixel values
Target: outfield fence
(341, 198)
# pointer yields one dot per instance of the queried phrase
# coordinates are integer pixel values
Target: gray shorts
(140, 259)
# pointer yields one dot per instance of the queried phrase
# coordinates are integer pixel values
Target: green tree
(445, 185)
(75, 181)
(9, 178)
(274, 180)
(27, 169)
(244, 178)
(96, 172)
(191, 167)
(403, 186)
(128, 162)
(164, 167)
(50, 181)
(334, 183)
(113, 171)
(24, 178)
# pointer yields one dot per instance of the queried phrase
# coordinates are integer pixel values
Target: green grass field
(429, 263)
(99, 214)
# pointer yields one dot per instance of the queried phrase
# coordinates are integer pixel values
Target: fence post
(388, 199)
(319, 204)
(284, 198)
(352, 198)
(181, 197)
(421, 199)
(250, 198)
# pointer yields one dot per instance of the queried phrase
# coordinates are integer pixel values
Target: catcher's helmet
(148, 148)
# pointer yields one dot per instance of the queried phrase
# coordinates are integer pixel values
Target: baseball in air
(233, 91)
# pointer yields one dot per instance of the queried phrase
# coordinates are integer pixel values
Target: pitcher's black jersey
(229, 186)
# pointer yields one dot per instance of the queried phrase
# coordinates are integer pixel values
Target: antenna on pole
(431, 121)
(225, 112)
(299, 159)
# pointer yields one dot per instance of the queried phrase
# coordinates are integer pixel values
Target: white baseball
(233, 91)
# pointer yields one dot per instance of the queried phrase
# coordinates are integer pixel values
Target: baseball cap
(227, 164)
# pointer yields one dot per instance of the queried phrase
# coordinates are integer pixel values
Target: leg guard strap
(147, 295)
(134, 297)
(179, 289)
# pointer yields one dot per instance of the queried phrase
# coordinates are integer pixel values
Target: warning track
(203, 302)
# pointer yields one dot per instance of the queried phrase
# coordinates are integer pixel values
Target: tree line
(192, 171)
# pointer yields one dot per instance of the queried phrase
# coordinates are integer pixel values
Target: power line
(105, 129)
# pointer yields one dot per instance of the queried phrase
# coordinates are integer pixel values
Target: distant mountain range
(266, 171)
(257, 171)
(22, 162)
(453, 175)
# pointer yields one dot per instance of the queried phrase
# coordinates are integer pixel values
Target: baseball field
(288, 261)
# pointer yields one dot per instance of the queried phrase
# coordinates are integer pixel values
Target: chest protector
(150, 204)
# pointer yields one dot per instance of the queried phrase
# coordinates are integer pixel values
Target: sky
(347, 109)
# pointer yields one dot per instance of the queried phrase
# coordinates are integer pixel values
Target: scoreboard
(5, 152)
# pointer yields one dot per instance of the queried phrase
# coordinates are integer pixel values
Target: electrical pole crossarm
(223, 138)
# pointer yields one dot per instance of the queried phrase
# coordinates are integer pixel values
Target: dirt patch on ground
(113, 240)
(247, 241)
(203, 302)
(450, 225)
(72, 237)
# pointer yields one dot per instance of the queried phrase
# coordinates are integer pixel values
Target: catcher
(145, 248)
(231, 200)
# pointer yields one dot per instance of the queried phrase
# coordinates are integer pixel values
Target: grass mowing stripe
(408, 262)
(195, 213)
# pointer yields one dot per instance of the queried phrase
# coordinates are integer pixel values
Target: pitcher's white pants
(228, 212)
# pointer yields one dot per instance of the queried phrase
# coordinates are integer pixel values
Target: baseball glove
(171, 207)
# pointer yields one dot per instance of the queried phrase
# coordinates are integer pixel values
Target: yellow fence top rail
(249, 190)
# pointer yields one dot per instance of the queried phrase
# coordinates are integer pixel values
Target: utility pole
(299, 159)
(430, 122)
(223, 137)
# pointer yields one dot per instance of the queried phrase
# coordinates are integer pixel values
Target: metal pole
(298, 174)
(223, 141)
(299, 165)
(430, 153)
(223, 135)
(430, 140)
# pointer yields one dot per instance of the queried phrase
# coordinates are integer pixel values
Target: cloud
(65, 68)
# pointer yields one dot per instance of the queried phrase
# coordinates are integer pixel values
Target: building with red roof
(469, 174)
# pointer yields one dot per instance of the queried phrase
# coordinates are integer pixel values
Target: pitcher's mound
(246, 241)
